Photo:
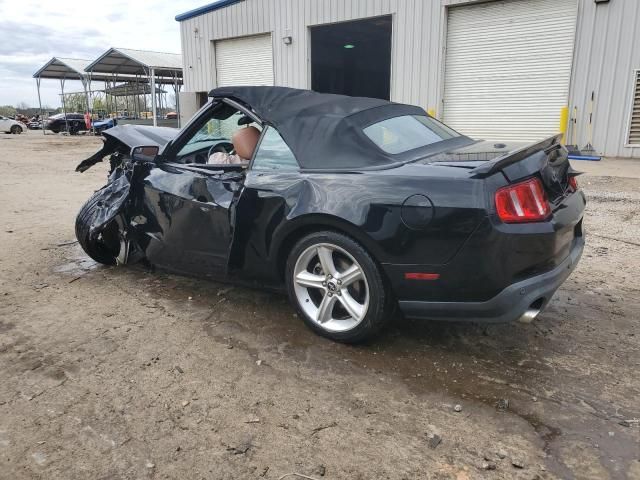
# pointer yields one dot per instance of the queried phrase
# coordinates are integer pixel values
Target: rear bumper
(508, 305)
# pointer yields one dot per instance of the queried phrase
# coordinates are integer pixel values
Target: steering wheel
(223, 147)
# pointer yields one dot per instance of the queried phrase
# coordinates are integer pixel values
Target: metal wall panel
(607, 50)
(415, 40)
(606, 55)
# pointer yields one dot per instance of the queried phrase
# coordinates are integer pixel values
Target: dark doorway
(202, 98)
(352, 58)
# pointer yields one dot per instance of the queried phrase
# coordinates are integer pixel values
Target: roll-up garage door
(244, 61)
(508, 67)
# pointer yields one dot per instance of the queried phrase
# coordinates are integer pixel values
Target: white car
(11, 126)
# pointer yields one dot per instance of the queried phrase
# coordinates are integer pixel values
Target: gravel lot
(112, 373)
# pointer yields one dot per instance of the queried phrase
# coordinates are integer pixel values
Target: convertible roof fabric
(324, 131)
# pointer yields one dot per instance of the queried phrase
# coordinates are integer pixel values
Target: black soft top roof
(324, 131)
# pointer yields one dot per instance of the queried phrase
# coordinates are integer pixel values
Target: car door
(189, 208)
(188, 211)
(4, 124)
(271, 183)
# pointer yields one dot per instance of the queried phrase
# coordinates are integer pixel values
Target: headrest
(245, 141)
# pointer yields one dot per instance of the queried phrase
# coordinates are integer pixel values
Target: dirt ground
(110, 373)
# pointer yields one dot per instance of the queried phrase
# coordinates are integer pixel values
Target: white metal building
(496, 69)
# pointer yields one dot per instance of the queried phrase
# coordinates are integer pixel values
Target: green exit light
(349, 46)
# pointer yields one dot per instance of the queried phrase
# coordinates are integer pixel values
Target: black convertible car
(355, 205)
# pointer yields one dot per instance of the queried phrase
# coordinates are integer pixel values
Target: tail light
(522, 202)
(573, 183)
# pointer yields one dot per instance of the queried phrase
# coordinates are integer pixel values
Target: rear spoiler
(497, 164)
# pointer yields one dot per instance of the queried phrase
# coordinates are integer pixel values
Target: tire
(313, 293)
(16, 129)
(103, 250)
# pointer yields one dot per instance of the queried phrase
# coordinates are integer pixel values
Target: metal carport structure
(156, 67)
(135, 90)
(63, 69)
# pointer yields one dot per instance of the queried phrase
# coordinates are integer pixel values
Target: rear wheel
(337, 288)
(105, 248)
(16, 129)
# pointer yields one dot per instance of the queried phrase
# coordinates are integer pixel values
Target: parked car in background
(171, 116)
(73, 124)
(8, 125)
(105, 124)
(354, 206)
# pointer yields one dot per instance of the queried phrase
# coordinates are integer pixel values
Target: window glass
(273, 153)
(212, 133)
(404, 133)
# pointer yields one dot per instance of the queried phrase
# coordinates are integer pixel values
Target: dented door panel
(184, 222)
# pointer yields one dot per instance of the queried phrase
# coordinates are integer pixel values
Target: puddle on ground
(78, 263)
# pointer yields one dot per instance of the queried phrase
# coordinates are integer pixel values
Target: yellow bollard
(564, 122)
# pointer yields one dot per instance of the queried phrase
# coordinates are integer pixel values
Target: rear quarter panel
(366, 206)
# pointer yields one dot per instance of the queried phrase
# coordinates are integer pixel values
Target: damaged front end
(101, 226)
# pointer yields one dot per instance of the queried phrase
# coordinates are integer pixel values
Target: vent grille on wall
(634, 127)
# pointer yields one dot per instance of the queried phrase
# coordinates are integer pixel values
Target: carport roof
(127, 61)
(64, 68)
(73, 69)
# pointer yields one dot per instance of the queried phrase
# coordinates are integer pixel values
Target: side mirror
(144, 154)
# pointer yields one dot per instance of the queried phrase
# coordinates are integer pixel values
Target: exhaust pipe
(532, 312)
(529, 315)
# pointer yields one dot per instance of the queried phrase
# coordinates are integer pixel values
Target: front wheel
(337, 288)
(106, 247)
(16, 129)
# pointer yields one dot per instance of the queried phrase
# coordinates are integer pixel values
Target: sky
(34, 31)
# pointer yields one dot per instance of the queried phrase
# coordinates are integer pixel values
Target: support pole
(106, 98)
(564, 123)
(114, 96)
(135, 101)
(126, 98)
(86, 96)
(144, 98)
(153, 97)
(40, 104)
(176, 91)
(91, 100)
(64, 107)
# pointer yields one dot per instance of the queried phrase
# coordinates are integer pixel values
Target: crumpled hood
(123, 138)
(142, 135)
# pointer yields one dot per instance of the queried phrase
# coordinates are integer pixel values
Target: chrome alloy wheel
(331, 287)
